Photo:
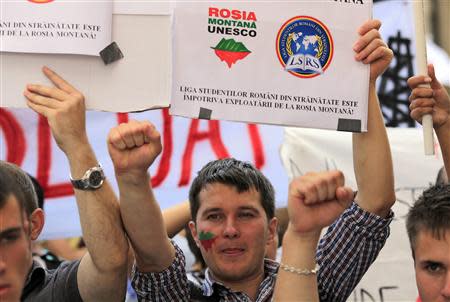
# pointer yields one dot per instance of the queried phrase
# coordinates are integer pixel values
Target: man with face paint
(232, 207)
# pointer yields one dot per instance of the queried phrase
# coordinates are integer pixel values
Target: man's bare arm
(102, 271)
(372, 158)
(133, 147)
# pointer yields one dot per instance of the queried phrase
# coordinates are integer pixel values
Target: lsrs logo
(304, 46)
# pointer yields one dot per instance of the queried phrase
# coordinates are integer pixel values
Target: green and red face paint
(207, 239)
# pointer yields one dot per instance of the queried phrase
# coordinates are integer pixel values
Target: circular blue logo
(304, 46)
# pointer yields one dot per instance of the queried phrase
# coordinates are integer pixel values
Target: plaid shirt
(344, 254)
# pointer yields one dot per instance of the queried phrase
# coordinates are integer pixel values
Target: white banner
(391, 278)
(55, 26)
(255, 62)
(188, 144)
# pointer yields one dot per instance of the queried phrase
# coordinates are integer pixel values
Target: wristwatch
(91, 180)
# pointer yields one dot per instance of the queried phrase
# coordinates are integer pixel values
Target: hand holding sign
(371, 49)
(432, 99)
(64, 108)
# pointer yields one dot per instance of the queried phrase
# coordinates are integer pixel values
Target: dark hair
(431, 212)
(241, 175)
(14, 181)
(39, 191)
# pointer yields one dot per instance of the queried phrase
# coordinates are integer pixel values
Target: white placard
(55, 26)
(142, 7)
(141, 80)
(289, 64)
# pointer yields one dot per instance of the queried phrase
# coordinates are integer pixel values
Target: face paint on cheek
(206, 239)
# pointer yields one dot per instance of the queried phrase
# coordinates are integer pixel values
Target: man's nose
(446, 289)
(2, 265)
(231, 229)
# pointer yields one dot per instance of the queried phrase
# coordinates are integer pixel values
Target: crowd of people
(230, 215)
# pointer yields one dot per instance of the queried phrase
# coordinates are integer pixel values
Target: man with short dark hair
(240, 175)
(430, 213)
(428, 227)
(233, 212)
(101, 274)
(428, 221)
(17, 199)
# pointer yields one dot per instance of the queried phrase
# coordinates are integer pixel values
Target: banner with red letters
(25, 139)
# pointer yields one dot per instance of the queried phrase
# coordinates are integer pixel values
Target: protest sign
(289, 64)
(55, 26)
(139, 81)
(142, 7)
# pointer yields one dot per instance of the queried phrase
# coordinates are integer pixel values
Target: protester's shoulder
(170, 284)
(64, 268)
(63, 282)
(58, 284)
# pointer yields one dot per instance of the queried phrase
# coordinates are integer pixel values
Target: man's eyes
(9, 238)
(213, 217)
(218, 216)
(433, 267)
(246, 215)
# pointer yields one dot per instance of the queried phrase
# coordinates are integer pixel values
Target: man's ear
(273, 228)
(194, 234)
(37, 221)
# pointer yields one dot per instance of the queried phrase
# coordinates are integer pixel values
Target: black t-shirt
(60, 284)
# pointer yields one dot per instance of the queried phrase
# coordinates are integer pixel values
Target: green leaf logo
(231, 45)
(230, 51)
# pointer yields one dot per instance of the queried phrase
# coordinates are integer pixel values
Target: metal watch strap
(84, 182)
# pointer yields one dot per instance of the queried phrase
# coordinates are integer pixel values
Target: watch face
(95, 179)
